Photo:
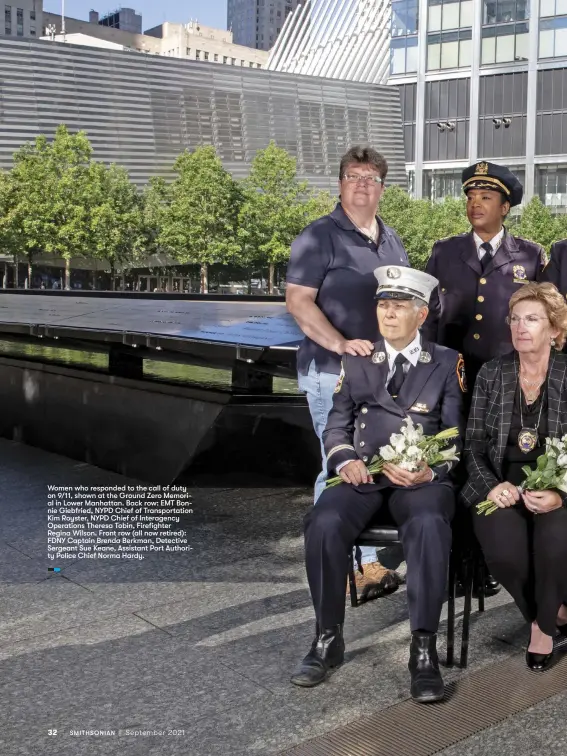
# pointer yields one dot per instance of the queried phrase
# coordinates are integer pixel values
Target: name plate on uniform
(419, 407)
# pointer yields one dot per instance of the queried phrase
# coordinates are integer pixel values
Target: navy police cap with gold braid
(496, 177)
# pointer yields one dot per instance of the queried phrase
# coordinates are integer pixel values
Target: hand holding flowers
(406, 460)
(539, 489)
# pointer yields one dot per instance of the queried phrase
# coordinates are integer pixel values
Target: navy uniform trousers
(423, 515)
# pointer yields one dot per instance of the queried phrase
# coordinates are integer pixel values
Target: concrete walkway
(201, 643)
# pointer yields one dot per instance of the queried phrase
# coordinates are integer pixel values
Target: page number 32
(52, 732)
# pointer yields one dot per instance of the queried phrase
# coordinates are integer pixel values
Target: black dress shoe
(327, 651)
(543, 662)
(426, 681)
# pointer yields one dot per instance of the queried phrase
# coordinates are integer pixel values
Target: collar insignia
(378, 357)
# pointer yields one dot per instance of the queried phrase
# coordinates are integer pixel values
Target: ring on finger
(506, 492)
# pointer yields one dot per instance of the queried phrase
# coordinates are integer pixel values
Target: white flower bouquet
(410, 448)
(550, 472)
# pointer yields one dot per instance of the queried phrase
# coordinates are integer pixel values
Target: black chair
(464, 551)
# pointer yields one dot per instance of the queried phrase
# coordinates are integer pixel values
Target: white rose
(413, 451)
(562, 460)
(387, 453)
(408, 465)
(400, 445)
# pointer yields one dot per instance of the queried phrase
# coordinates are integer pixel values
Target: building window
(448, 14)
(551, 185)
(440, 184)
(505, 31)
(224, 59)
(505, 11)
(216, 57)
(449, 49)
(206, 55)
(251, 65)
(8, 14)
(32, 15)
(8, 30)
(403, 55)
(553, 37)
(197, 55)
(188, 52)
(404, 18)
(553, 8)
(32, 31)
(505, 43)
(233, 61)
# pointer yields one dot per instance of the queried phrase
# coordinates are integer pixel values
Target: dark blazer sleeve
(552, 271)
(339, 431)
(431, 326)
(481, 478)
(452, 414)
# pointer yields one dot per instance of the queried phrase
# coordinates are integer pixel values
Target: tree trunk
(5, 281)
(271, 279)
(94, 280)
(112, 278)
(249, 282)
(16, 273)
(204, 278)
(67, 274)
(30, 272)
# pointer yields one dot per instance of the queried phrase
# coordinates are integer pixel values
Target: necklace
(528, 437)
(531, 383)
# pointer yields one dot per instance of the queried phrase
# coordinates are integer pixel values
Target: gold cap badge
(481, 169)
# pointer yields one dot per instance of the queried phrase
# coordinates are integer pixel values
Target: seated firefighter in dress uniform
(404, 376)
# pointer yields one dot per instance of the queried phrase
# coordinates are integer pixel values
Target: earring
(552, 342)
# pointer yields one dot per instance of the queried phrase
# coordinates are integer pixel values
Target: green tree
(276, 206)
(8, 230)
(537, 223)
(198, 215)
(116, 218)
(50, 197)
(421, 222)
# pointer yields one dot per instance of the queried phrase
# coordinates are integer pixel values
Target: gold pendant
(527, 440)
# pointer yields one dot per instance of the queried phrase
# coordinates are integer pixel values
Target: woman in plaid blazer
(519, 400)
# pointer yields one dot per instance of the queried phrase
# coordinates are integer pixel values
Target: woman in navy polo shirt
(330, 293)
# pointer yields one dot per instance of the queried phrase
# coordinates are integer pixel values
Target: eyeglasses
(530, 321)
(353, 178)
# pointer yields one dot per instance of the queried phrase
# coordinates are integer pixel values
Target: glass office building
(488, 81)
(478, 79)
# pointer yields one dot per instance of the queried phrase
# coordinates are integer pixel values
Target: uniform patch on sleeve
(461, 374)
(339, 385)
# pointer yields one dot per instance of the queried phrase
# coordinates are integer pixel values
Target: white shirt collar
(495, 242)
(411, 352)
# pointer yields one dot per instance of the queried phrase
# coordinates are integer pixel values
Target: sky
(154, 12)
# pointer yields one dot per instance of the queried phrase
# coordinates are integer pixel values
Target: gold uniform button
(361, 443)
(364, 410)
(362, 426)
(480, 299)
(482, 280)
(479, 317)
(476, 336)
(443, 289)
